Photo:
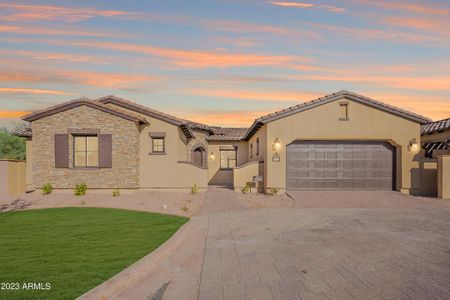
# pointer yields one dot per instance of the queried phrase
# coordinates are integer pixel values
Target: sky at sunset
(224, 62)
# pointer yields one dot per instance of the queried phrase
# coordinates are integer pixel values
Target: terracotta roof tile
(437, 126)
(79, 102)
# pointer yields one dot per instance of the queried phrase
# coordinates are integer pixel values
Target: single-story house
(340, 141)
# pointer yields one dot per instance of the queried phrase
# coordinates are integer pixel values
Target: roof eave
(36, 116)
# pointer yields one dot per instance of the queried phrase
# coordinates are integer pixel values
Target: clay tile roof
(329, 98)
(79, 102)
(186, 125)
(437, 126)
(227, 134)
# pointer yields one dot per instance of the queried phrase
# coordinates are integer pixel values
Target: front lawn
(74, 249)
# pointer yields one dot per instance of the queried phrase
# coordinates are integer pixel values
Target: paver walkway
(308, 253)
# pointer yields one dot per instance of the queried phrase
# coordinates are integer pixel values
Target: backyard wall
(12, 178)
(246, 173)
(444, 176)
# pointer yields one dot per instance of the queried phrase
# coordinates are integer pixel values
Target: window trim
(345, 106)
(228, 161)
(163, 151)
(257, 146)
(81, 135)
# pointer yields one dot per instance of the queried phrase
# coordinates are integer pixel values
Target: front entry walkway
(305, 253)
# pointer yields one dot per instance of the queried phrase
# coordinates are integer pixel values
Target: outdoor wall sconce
(211, 156)
(413, 146)
(276, 145)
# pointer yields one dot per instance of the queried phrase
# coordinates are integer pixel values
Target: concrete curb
(141, 268)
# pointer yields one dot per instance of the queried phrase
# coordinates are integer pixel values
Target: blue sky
(224, 62)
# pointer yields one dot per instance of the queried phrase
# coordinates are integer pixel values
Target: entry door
(337, 165)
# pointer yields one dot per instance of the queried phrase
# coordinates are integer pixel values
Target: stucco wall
(365, 123)
(215, 174)
(261, 135)
(125, 150)
(170, 170)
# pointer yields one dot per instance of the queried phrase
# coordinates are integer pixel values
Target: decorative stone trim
(155, 134)
(83, 131)
(157, 153)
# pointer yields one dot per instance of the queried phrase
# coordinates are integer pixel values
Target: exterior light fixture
(211, 156)
(276, 145)
(413, 146)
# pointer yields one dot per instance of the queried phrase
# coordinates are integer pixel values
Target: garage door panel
(340, 165)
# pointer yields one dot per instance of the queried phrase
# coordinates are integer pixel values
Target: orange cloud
(32, 91)
(54, 31)
(413, 83)
(23, 12)
(379, 34)
(53, 56)
(275, 96)
(224, 118)
(434, 107)
(12, 113)
(98, 79)
(200, 59)
(308, 5)
(433, 25)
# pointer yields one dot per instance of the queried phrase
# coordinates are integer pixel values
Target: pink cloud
(97, 79)
(23, 91)
(253, 95)
(421, 7)
(202, 59)
(23, 12)
(54, 31)
(330, 8)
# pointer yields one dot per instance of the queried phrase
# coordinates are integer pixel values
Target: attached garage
(340, 165)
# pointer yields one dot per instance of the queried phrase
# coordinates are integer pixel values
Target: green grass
(75, 249)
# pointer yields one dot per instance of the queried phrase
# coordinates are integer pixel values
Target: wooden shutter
(105, 150)
(61, 150)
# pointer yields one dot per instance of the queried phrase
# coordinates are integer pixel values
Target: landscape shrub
(194, 189)
(47, 188)
(116, 193)
(80, 189)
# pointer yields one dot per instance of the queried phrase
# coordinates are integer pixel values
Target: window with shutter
(61, 150)
(105, 150)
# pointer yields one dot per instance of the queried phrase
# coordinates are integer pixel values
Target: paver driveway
(398, 249)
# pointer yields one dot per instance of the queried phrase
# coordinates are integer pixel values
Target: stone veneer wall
(125, 150)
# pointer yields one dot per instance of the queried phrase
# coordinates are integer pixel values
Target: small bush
(184, 208)
(273, 191)
(116, 193)
(80, 189)
(247, 188)
(47, 188)
(194, 189)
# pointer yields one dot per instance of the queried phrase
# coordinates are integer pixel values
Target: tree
(11, 146)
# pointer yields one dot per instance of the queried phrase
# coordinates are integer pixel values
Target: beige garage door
(337, 165)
